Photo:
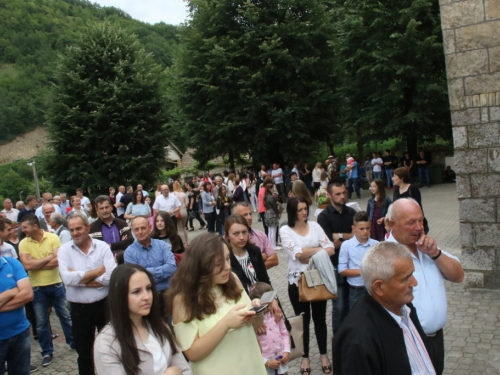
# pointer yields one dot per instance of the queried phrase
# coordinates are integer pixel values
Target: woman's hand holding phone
(238, 317)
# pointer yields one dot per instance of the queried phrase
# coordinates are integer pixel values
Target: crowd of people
(134, 296)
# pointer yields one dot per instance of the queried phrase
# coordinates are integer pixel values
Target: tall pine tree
(106, 121)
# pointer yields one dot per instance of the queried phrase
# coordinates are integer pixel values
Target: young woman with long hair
(377, 208)
(165, 230)
(138, 207)
(210, 312)
(182, 222)
(302, 239)
(136, 340)
(271, 216)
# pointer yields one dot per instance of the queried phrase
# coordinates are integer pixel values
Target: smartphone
(258, 309)
(268, 297)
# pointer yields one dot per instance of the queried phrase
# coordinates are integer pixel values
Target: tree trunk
(330, 146)
(359, 144)
(231, 160)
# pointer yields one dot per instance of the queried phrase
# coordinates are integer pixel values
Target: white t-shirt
(85, 202)
(159, 358)
(166, 204)
(377, 168)
(277, 180)
(119, 210)
(12, 214)
(7, 250)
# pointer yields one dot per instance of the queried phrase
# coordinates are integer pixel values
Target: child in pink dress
(275, 342)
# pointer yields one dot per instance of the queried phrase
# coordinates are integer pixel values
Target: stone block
(466, 235)
(466, 117)
(449, 41)
(492, 9)
(487, 234)
(482, 35)
(460, 137)
(484, 111)
(471, 161)
(478, 210)
(467, 63)
(473, 280)
(463, 187)
(494, 113)
(456, 93)
(484, 83)
(478, 259)
(485, 185)
(461, 13)
(494, 53)
(494, 159)
(484, 135)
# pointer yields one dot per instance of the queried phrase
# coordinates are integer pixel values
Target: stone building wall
(471, 31)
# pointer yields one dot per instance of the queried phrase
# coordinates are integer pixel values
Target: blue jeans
(16, 351)
(55, 295)
(388, 174)
(354, 294)
(354, 185)
(377, 175)
(424, 172)
(340, 307)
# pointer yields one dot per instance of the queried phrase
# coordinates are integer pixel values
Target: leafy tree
(106, 120)
(395, 81)
(256, 77)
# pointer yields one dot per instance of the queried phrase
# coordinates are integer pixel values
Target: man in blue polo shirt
(154, 255)
(15, 292)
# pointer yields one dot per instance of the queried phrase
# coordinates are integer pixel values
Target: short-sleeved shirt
(169, 203)
(40, 250)
(7, 250)
(275, 172)
(12, 322)
(260, 240)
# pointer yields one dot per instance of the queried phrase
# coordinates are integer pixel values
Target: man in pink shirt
(257, 237)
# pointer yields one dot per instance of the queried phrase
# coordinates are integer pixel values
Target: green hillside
(34, 32)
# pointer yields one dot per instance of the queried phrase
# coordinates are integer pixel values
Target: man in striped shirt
(382, 334)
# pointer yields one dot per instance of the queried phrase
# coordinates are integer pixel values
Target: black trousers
(318, 316)
(86, 317)
(436, 351)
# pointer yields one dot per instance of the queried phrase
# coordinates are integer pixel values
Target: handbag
(311, 286)
(178, 215)
(295, 327)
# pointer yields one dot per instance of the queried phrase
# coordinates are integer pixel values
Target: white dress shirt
(430, 294)
(39, 212)
(70, 256)
(12, 214)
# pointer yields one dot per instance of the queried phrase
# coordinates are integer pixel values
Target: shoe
(260, 219)
(33, 369)
(327, 369)
(54, 336)
(305, 371)
(191, 229)
(203, 227)
(47, 360)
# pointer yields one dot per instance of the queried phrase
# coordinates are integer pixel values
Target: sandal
(305, 371)
(327, 369)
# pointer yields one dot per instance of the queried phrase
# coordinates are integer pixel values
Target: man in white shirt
(10, 213)
(64, 204)
(85, 201)
(277, 175)
(168, 203)
(85, 265)
(47, 198)
(144, 192)
(57, 224)
(7, 250)
(432, 267)
(120, 209)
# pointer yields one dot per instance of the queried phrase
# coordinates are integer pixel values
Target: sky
(152, 11)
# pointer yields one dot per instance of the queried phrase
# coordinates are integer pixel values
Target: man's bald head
(400, 206)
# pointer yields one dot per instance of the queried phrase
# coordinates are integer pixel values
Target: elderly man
(120, 208)
(85, 265)
(257, 237)
(38, 254)
(168, 203)
(46, 198)
(144, 192)
(10, 212)
(56, 222)
(432, 267)
(115, 232)
(382, 334)
(154, 255)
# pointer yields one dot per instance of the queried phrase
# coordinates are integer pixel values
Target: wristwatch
(341, 236)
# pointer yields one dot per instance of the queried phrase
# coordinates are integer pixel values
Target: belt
(356, 287)
(432, 335)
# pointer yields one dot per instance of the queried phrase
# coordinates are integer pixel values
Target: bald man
(432, 267)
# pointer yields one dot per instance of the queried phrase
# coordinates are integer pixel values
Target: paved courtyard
(472, 335)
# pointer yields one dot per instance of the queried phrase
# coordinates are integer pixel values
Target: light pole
(35, 177)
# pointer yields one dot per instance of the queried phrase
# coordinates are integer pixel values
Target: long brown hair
(119, 316)
(236, 219)
(193, 280)
(171, 232)
(300, 189)
(381, 192)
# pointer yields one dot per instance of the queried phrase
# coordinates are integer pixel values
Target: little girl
(275, 342)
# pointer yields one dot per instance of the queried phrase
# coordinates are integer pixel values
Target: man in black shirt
(407, 162)
(127, 197)
(336, 220)
(423, 162)
(390, 163)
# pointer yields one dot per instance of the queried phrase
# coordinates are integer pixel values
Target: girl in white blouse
(302, 239)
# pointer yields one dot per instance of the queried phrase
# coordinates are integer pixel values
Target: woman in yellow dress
(210, 311)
